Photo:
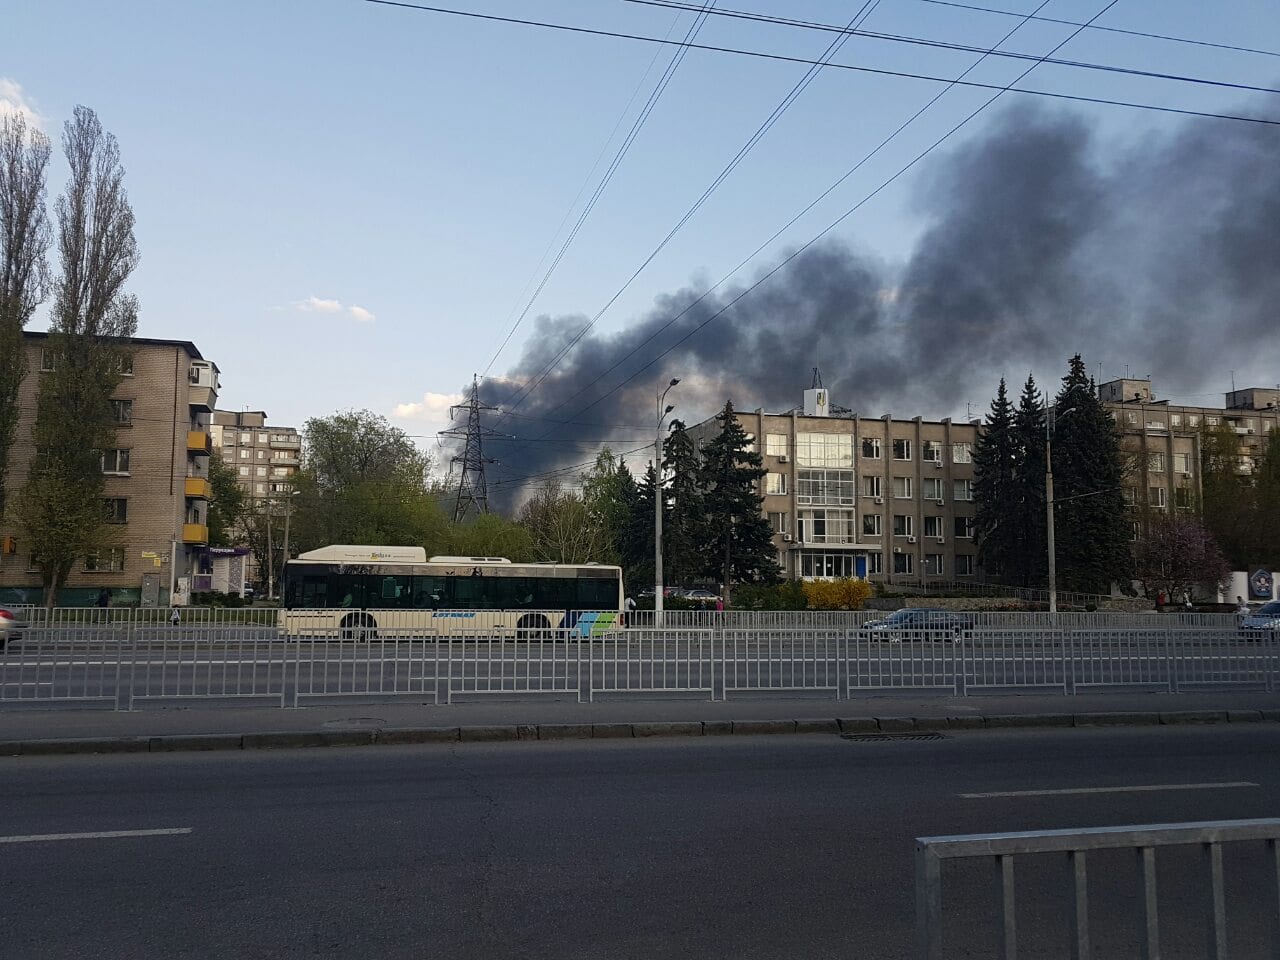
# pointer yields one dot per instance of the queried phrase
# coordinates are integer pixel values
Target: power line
(1095, 26)
(813, 203)
(844, 216)
(676, 59)
(880, 71)
(792, 95)
(945, 45)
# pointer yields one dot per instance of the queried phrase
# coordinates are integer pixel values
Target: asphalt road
(743, 849)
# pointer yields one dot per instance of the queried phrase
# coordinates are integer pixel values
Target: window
(244, 471)
(775, 444)
(1131, 418)
(902, 488)
(1212, 421)
(933, 526)
(1182, 498)
(279, 472)
(903, 525)
(1175, 419)
(125, 365)
(932, 488)
(48, 359)
(1155, 462)
(262, 438)
(1193, 420)
(826, 564)
(262, 454)
(775, 484)
(964, 528)
(871, 524)
(1135, 531)
(1130, 496)
(903, 563)
(827, 526)
(871, 487)
(871, 448)
(826, 487)
(962, 453)
(1156, 497)
(261, 489)
(244, 454)
(246, 438)
(122, 412)
(1155, 424)
(902, 449)
(824, 450)
(778, 522)
(110, 560)
(962, 490)
(116, 509)
(931, 451)
(1181, 463)
(875, 563)
(262, 472)
(115, 461)
(933, 564)
(964, 565)
(33, 565)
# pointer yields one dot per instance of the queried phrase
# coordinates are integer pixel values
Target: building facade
(156, 491)
(848, 496)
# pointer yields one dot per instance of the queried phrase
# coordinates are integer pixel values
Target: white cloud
(432, 408)
(315, 304)
(14, 102)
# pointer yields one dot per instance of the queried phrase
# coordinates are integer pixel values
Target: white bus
(365, 592)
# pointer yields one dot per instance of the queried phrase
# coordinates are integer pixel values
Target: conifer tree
(995, 459)
(683, 526)
(1026, 507)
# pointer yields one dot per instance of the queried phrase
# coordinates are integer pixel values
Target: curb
(390, 736)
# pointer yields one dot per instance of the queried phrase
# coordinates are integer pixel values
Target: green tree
(561, 527)
(609, 492)
(637, 548)
(995, 461)
(227, 506)
(1266, 498)
(1230, 497)
(739, 540)
(489, 535)
(60, 508)
(24, 239)
(1026, 508)
(1091, 524)
(684, 525)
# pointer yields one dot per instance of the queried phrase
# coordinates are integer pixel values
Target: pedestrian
(719, 604)
(1186, 600)
(1160, 602)
(175, 618)
(630, 606)
(104, 598)
(1242, 607)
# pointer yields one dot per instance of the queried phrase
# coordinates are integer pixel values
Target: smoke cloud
(1041, 241)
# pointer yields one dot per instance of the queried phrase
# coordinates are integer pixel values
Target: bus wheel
(533, 626)
(358, 626)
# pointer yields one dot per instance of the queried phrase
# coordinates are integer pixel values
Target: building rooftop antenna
(817, 379)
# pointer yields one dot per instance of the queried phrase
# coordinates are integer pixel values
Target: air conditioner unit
(942, 539)
(911, 539)
(878, 500)
(786, 537)
(897, 549)
(782, 458)
(938, 464)
(1249, 431)
(939, 501)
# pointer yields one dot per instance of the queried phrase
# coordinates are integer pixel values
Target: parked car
(11, 625)
(919, 623)
(1262, 623)
(701, 596)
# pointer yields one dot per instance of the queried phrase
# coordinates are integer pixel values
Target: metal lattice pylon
(473, 491)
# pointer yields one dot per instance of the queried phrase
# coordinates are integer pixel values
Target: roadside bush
(846, 593)
(215, 598)
(788, 595)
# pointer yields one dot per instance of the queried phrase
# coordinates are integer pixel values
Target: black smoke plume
(1041, 241)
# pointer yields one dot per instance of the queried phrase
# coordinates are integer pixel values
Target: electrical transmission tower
(473, 492)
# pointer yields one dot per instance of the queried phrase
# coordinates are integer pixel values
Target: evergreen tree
(637, 554)
(1026, 506)
(609, 492)
(1091, 524)
(1266, 498)
(683, 532)
(995, 458)
(739, 540)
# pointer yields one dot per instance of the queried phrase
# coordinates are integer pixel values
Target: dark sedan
(919, 623)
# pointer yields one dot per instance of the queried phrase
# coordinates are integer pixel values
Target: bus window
(394, 592)
(597, 594)
(431, 593)
(473, 593)
(347, 590)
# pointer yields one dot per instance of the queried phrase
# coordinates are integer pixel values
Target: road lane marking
(98, 835)
(1144, 788)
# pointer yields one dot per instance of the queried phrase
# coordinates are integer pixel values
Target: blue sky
(341, 203)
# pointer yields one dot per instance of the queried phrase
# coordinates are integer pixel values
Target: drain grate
(879, 737)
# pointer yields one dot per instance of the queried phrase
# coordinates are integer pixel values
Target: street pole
(1048, 507)
(271, 567)
(657, 503)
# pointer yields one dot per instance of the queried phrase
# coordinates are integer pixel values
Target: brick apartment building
(156, 490)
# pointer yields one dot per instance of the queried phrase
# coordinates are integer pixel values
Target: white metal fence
(125, 658)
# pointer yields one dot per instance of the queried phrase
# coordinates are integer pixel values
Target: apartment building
(886, 499)
(1163, 439)
(156, 489)
(264, 458)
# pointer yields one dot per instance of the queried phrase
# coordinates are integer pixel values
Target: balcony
(198, 488)
(284, 461)
(294, 443)
(198, 442)
(202, 399)
(197, 533)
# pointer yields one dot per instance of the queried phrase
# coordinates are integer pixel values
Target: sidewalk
(215, 726)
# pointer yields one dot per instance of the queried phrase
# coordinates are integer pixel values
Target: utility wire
(1094, 26)
(792, 95)
(763, 55)
(676, 59)
(944, 45)
(844, 216)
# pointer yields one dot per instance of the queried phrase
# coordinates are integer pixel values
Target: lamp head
(674, 381)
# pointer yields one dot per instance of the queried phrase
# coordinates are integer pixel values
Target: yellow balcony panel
(195, 533)
(198, 488)
(202, 399)
(198, 442)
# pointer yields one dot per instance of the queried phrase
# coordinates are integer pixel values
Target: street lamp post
(663, 410)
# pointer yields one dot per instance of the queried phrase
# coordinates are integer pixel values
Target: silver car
(1262, 623)
(11, 625)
